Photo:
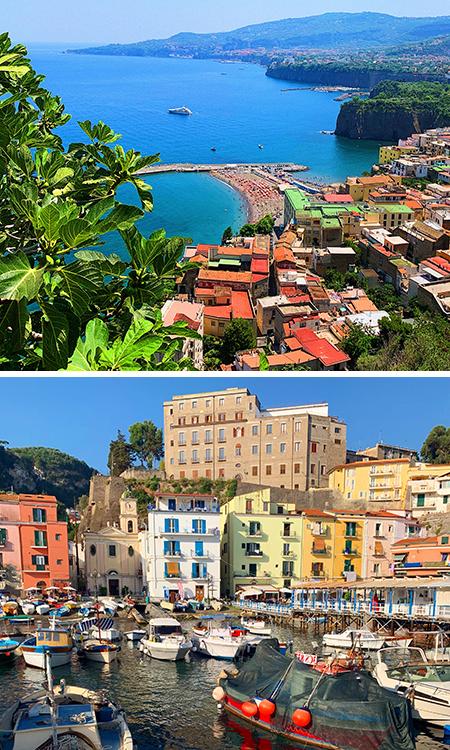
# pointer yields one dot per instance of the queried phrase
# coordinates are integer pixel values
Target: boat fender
(218, 694)
(266, 710)
(302, 717)
(249, 709)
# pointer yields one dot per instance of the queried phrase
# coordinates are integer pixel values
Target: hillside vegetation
(327, 31)
(45, 471)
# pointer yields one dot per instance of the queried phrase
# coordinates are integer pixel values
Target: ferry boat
(427, 684)
(166, 640)
(55, 642)
(64, 717)
(180, 111)
(326, 706)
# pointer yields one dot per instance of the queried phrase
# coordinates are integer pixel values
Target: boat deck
(68, 715)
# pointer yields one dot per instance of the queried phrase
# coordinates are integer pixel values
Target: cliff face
(325, 75)
(382, 124)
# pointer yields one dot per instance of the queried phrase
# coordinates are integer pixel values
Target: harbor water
(168, 704)
(236, 108)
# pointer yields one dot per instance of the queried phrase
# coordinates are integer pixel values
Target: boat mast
(51, 695)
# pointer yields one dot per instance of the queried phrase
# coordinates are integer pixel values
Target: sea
(169, 705)
(235, 106)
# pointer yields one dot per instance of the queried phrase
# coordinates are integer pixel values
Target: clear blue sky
(89, 21)
(81, 415)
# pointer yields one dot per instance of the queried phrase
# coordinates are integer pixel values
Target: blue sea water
(235, 108)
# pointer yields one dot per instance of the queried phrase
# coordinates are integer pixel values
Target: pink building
(10, 547)
(382, 530)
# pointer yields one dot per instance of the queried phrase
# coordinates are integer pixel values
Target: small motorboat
(65, 717)
(20, 619)
(427, 684)
(104, 652)
(260, 146)
(56, 642)
(180, 111)
(351, 637)
(257, 627)
(7, 648)
(99, 627)
(325, 706)
(28, 608)
(221, 642)
(135, 635)
(213, 148)
(166, 640)
(42, 609)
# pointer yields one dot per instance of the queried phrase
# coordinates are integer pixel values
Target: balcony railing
(173, 575)
(172, 554)
(288, 534)
(348, 551)
(254, 553)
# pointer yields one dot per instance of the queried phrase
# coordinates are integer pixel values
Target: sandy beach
(261, 196)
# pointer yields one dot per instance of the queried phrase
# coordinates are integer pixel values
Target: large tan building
(226, 434)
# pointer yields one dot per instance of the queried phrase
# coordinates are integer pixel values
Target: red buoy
(266, 710)
(302, 717)
(249, 709)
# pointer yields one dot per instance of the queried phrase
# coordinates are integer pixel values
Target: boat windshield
(168, 630)
(400, 657)
(421, 673)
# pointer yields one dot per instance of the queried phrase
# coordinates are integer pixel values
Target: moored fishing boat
(364, 639)
(64, 718)
(8, 648)
(221, 642)
(98, 627)
(328, 706)
(427, 684)
(257, 627)
(166, 640)
(135, 635)
(55, 642)
(103, 652)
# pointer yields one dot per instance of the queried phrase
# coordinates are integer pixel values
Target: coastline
(258, 195)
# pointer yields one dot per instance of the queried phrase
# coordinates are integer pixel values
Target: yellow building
(391, 153)
(318, 532)
(361, 187)
(261, 542)
(348, 544)
(376, 484)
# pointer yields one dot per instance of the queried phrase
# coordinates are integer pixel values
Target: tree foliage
(146, 442)
(238, 336)
(120, 456)
(227, 235)
(263, 226)
(65, 303)
(436, 447)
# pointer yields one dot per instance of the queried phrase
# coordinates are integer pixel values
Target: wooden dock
(271, 168)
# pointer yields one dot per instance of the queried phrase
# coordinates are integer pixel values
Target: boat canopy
(104, 623)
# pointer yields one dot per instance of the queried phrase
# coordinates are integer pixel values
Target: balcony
(254, 553)
(200, 577)
(173, 576)
(317, 551)
(254, 533)
(288, 535)
(176, 555)
(288, 554)
(349, 551)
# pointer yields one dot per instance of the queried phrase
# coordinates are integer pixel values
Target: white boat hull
(135, 635)
(165, 651)
(37, 658)
(219, 648)
(338, 641)
(42, 609)
(102, 657)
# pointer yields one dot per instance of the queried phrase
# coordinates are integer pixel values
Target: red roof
(218, 311)
(241, 305)
(260, 265)
(328, 354)
(438, 263)
(338, 198)
(208, 274)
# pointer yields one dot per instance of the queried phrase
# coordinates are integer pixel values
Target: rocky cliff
(335, 75)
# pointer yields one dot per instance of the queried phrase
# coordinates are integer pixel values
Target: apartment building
(416, 557)
(33, 541)
(227, 435)
(429, 489)
(383, 529)
(181, 548)
(373, 484)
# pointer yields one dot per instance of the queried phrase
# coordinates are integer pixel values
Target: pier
(184, 167)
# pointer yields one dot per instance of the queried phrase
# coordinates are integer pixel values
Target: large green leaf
(88, 349)
(76, 232)
(80, 282)
(55, 338)
(13, 319)
(18, 280)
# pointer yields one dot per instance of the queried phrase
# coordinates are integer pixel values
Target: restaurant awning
(249, 592)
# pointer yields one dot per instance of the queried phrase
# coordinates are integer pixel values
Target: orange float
(302, 717)
(249, 709)
(266, 710)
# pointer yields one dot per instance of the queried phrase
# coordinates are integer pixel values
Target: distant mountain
(327, 31)
(44, 471)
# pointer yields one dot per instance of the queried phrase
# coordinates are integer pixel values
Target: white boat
(65, 718)
(166, 640)
(258, 627)
(135, 635)
(57, 643)
(27, 608)
(180, 111)
(42, 609)
(427, 684)
(222, 642)
(103, 652)
(99, 627)
(363, 639)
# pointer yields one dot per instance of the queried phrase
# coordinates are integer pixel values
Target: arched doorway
(113, 583)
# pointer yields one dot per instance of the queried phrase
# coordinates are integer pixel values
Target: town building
(428, 489)
(373, 484)
(191, 313)
(227, 435)
(113, 564)
(382, 529)
(181, 547)
(385, 451)
(33, 541)
(422, 556)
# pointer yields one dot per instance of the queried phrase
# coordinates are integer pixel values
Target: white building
(181, 548)
(429, 494)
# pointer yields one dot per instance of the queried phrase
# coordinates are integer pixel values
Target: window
(254, 528)
(268, 448)
(348, 566)
(297, 447)
(57, 537)
(254, 471)
(348, 547)
(3, 537)
(181, 421)
(199, 551)
(248, 505)
(195, 420)
(221, 435)
(444, 540)
(253, 548)
(378, 529)
(286, 529)
(376, 569)
(221, 401)
(313, 447)
(296, 468)
(287, 568)
(198, 526)
(297, 426)
(221, 417)
(268, 429)
(253, 569)
(238, 399)
(208, 454)
(40, 539)
(93, 550)
(172, 504)
(254, 429)
(282, 447)
(171, 525)
(286, 549)
(40, 561)
(317, 569)
(181, 406)
(130, 527)
(195, 457)
(195, 440)
(237, 451)
(337, 430)
(208, 403)
(254, 450)
(283, 428)
(282, 468)
(198, 504)
(337, 442)
(39, 515)
(239, 416)
(59, 562)
(112, 550)
(268, 471)
(420, 500)
(350, 528)
(265, 507)
(208, 436)
(130, 551)
(221, 454)
(181, 457)
(194, 405)
(445, 499)
(313, 468)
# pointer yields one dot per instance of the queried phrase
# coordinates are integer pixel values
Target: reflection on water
(169, 705)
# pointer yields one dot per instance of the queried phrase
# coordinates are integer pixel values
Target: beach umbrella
(69, 588)
(52, 588)
(32, 588)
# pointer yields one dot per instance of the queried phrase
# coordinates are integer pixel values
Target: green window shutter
(33, 559)
(3, 537)
(420, 500)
